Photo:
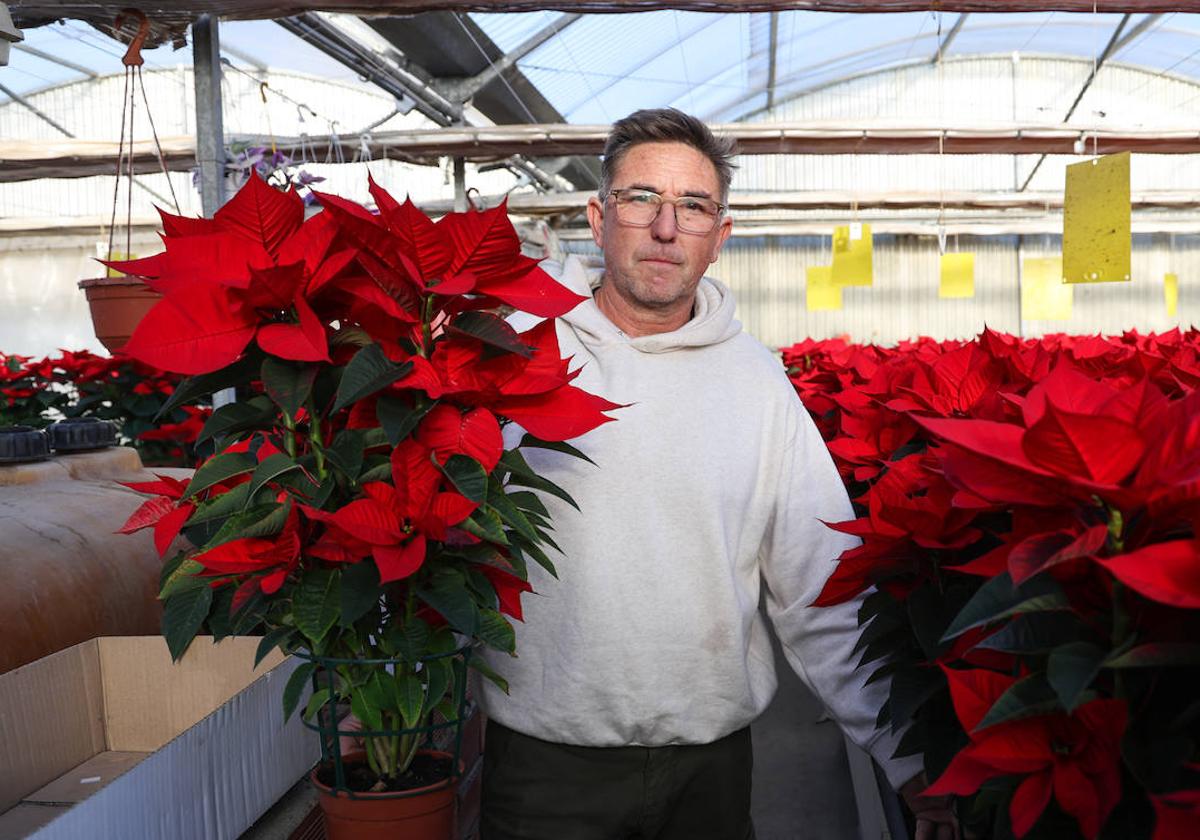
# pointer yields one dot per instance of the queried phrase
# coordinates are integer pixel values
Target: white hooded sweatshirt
(712, 481)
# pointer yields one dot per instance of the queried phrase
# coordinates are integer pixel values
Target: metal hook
(133, 55)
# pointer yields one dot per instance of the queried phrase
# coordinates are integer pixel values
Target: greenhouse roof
(724, 67)
(600, 67)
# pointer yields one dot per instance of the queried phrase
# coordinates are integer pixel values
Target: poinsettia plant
(1030, 518)
(28, 396)
(362, 503)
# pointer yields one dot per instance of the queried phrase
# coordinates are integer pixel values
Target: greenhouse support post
(210, 131)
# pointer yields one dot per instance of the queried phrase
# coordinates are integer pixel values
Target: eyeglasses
(640, 208)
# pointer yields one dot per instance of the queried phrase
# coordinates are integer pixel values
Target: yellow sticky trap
(853, 264)
(821, 295)
(1171, 292)
(1044, 295)
(958, 276)
(1096, 232)
(118, 255)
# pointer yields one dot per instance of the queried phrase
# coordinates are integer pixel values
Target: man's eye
(642, 198)
(694, 206)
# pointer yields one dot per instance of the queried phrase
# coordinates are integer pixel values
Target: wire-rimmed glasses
(693, 214)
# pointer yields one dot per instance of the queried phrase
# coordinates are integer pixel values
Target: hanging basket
(424, 812)
(117, 305)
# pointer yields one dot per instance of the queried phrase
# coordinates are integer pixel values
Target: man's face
(656, 268)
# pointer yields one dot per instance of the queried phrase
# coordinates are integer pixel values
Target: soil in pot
(426, 769)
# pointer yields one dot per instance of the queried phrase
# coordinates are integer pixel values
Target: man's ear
(723, 230)
(595, 217)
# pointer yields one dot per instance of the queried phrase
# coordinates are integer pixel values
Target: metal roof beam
(242, 55)
(169, 12)
(1109, 49)
(556, 204)
(381, 70)
(774, 50)
(949, 39)
(54, 59)
(466, 88)
(1145, 24)
(37, 112)
(27, 160)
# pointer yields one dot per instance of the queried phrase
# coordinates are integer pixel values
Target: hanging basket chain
(129, 168)
(112, 224)
(162, 161)
(133, 62)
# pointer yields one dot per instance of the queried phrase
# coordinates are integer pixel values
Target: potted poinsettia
(365, 507)
(1029, 515)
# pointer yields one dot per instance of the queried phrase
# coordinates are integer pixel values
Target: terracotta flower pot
(117, 305)
(426, 813)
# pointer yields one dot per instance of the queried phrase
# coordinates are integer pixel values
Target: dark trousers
(536, 790)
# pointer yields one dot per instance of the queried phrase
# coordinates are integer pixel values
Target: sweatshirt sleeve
(798, 556)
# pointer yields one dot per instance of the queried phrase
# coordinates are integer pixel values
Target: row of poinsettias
(1030, 517)
(34, 392)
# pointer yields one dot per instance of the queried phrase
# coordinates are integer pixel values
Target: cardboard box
(110, 740)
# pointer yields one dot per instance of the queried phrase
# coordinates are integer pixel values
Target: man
(640, 669)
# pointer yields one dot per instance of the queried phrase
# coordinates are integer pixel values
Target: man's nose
(664, 227)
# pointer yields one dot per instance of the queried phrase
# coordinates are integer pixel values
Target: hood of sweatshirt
(712, 319)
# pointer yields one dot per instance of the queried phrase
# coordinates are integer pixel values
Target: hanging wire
(911, 44)
(1036, 32)
(687, 79)
(162, 162)
(941, 83)
(632, 77)
(1096, 68)
(112, 224)
(262, 93)
(129, 170)
(275, 91)
(492, 65)
(1164, 72)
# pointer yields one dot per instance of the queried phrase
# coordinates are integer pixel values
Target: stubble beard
(647, 294)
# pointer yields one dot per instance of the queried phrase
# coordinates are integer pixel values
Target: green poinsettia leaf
(1027, 697)
(294, 688)
(999, 598)
(1157, 655)
(496, 632)
(219, 468)
(359, 592)
(409, 698)
(557, 446)
(182, 576)
(522, 475)
(468, 476)
(193, 388)
(183, 615)
(317, 603)
(449, 597)
(398, 419)
(288, 384)
(254, 413)
(369, 371)
(491, 330)
(318, 699)
(1071, 669)
(277, 638)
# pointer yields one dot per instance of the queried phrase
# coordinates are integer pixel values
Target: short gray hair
(666, 125)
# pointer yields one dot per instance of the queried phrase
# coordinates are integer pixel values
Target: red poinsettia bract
(1075, 758)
